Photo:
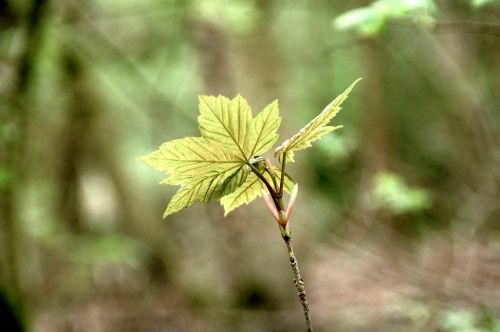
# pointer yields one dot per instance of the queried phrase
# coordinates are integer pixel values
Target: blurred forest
(397, 222)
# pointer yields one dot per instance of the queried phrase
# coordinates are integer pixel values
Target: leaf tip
(349, 89)
(226, 206)
(146, 159)
(166, 213)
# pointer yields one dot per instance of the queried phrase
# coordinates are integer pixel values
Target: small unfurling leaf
(314, 130)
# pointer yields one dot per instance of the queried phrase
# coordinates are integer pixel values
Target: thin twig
(270, 171)
(282, 181)
(273, 177)
(299, 283)
(285, 233)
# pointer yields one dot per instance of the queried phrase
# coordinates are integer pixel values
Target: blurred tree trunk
(14, 158)
(90, 133)
(474, 161)
(376, 126)
(375, 134)
(215, 58)
(261, 68)
(73, 140)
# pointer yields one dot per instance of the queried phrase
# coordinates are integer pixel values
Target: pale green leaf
(191, 156)
(245, 194)
(189, 194)
(228, 122)
(212, 166)
(230, 183)
(267, 123)
(204, 188)
(250, 190)
(204, 170)
(314, 129)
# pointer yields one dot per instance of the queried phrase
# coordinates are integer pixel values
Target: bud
(270, 168)
(270, 205)
(283, 219)
(293, 200)
(259, 163)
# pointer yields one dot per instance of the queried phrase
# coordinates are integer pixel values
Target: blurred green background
(397, 223)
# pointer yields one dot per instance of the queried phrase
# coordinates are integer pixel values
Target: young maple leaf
(212, 166)
(315, 129)
(225, 163)
(218, 164)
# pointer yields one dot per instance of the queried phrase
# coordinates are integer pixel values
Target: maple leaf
(212, 166)
(224, 162)
(315, 129)
(250, 190)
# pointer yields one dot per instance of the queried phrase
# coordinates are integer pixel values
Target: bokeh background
(397, 223)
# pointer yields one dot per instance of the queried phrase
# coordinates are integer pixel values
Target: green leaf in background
(212, 166)
(234, 16)
(391, 192)
(315, 129)
(5, 177)
(364, 19)
(481, 3)
(461, 321)
(370, 20)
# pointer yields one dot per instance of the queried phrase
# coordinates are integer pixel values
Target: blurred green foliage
(239, 17)
(370, 20)
(391, 192)
(481, 3)
(5, 177)
(469, 321)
